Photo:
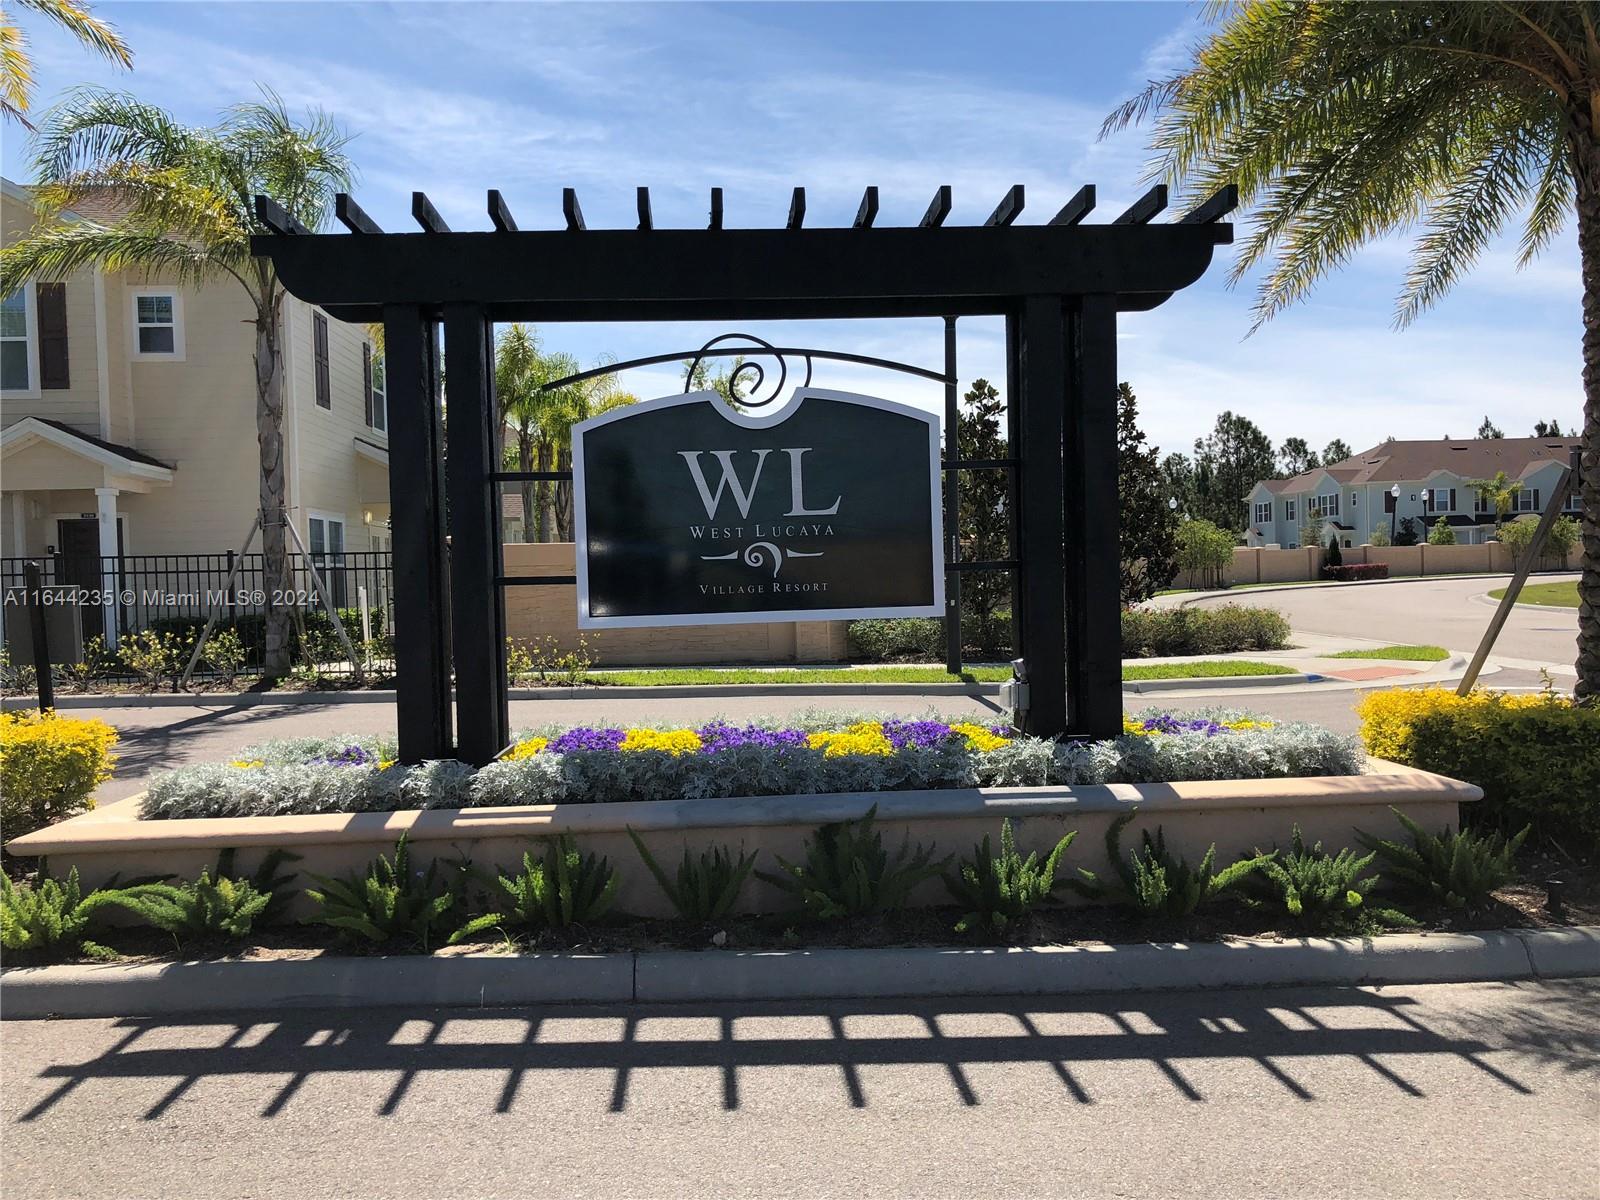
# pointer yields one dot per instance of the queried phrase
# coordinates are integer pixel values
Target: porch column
(106, 502)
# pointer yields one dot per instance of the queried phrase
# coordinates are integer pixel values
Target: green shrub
(1319, 890)
(847, 872)
(154, 656)
(390, 902)
(97, 663)
(564, 888)
(1441, 534)
(1335, 556)
(1458, 868)
(1226, 629)
(707, 885)
(1155, 883)
(897, 639)
(266, 880)
(49, 768)
(996, 892)
(1205, 550)
(225, 654)
(50, 915)
(220, 907)
(1533, 755)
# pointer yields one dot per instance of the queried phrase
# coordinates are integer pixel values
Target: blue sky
(454, 98)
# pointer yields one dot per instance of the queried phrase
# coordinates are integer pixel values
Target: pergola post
(1093, 544)
(477, 608)
(1037, 334)
(416, 496)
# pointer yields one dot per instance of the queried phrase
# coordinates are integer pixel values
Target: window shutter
(319, 345)
(366, 379)
(53, 373)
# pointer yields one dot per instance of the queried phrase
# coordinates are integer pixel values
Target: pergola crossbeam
(938, 209)
(642, 199)
(570, 210)
(1146, 208)
(1076, 209)
(1009, 208)
(350, 215)
(277, 218)
(1214, 209)
(426, 215)
(797, 209)
(868, 212)
(716, 209)
(499, 213)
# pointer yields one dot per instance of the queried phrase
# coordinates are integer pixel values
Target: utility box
(63, 623)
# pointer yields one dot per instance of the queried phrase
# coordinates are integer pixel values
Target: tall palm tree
(189, 198)
(16, 64)
(1500, 493)
(1344, 122)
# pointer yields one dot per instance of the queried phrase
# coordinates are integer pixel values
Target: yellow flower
(245, 764)
(527, 749)
(978, 737)
(864, 737)
(673, 741)
(1129, 725)
(385, 763)
(1245, 724)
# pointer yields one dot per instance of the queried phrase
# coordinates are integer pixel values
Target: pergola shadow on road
(1290, 1036)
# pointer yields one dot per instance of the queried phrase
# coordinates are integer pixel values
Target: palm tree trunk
(563, 489)
(525, 461)
(547, 507)
(1587, 159)
(269, 438)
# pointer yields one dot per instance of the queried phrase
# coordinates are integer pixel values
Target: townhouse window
(1574, 501)
(1264, 513)
(1353, 500)
(319, 355)
(1441, 500)
(1324, 506)
(372, 382)
(326, 544)
(1527, 500)
(19, 342)
(1288, 510)
(157, 324)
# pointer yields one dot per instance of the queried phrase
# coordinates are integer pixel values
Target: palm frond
(90, 30)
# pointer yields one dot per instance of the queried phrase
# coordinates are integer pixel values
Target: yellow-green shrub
(49, 768)
(1536, 757)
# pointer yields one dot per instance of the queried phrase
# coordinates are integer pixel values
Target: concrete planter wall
(1236, 814)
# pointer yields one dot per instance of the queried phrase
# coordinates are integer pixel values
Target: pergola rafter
(1059, 285)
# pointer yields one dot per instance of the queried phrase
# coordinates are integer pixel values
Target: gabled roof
(82, 443)
(1472, 458)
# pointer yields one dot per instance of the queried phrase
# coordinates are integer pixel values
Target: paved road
(1435, 612)
(1458, 1091)
(155, 739)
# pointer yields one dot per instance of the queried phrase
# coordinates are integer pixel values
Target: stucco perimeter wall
(540, 612)
(1256, 565)
(1237, 815)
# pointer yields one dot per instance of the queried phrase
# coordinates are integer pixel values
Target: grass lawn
(699, 676)
(1241, 587)
(1404, 653)
(1551, 595)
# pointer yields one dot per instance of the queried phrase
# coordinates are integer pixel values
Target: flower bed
(816, 754)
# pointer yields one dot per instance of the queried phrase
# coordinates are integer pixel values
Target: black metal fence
(131, 593)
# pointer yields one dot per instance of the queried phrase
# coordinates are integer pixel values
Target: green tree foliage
(1229, 462)
(1406, 534)
(985, 518)
(1343, 124)
(1156, 883)
(563, 888)
(1336, 451)
(1459, 868)
(1297, 456)
(1203, 552)
(188, 195)
(1148, 527)
(1178, 477)
(997, 891)
(1441, 534)
(16, 63)
(1550, 429)
(1488, 429)
(847, 872)
(706, 885)
(1335, 556)
(1499, 493)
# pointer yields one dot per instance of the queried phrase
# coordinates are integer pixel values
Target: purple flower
(584, 738)
(915, 733)
(721, 736)
(1167, 723)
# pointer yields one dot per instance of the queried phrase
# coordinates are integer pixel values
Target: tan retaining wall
(541, 612)
(1253, 564)
(1236, 815)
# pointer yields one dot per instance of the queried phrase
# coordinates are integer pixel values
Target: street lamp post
(1394, 512)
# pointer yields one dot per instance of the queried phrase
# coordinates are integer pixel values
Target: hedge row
(1353, 571)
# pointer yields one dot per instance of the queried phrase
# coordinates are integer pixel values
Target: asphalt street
(1432, 612)
(1457, 1091)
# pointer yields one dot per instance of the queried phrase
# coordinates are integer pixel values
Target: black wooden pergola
(1059, 286)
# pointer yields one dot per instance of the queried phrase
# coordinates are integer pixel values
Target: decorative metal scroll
(753, 349)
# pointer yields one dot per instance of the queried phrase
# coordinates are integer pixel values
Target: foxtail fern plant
(1458, 868)
(1155, 882)
(561, 889)
(51, 916)
(1320, 890)
(847, 872)
(266, 880)
(706, 885)
(998, 891)
(220, 907)
(390, 902)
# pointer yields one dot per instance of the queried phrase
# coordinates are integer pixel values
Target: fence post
(233, 595)
(34, 588)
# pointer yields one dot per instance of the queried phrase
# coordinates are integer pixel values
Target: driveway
(1431, 612)
(1441, 1091)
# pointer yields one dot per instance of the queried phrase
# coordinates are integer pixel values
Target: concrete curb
(708, 976)
(1213, 593)
(1149, 687)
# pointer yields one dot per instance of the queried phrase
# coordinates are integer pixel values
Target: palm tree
(189, 198)
(1499, 492)
(16, 65)
(1341, 123)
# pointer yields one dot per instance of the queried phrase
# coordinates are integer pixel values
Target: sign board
(692, 512)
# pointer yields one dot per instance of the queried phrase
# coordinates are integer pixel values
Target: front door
(78, 563)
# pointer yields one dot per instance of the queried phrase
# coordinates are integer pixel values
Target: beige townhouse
(128, 448)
